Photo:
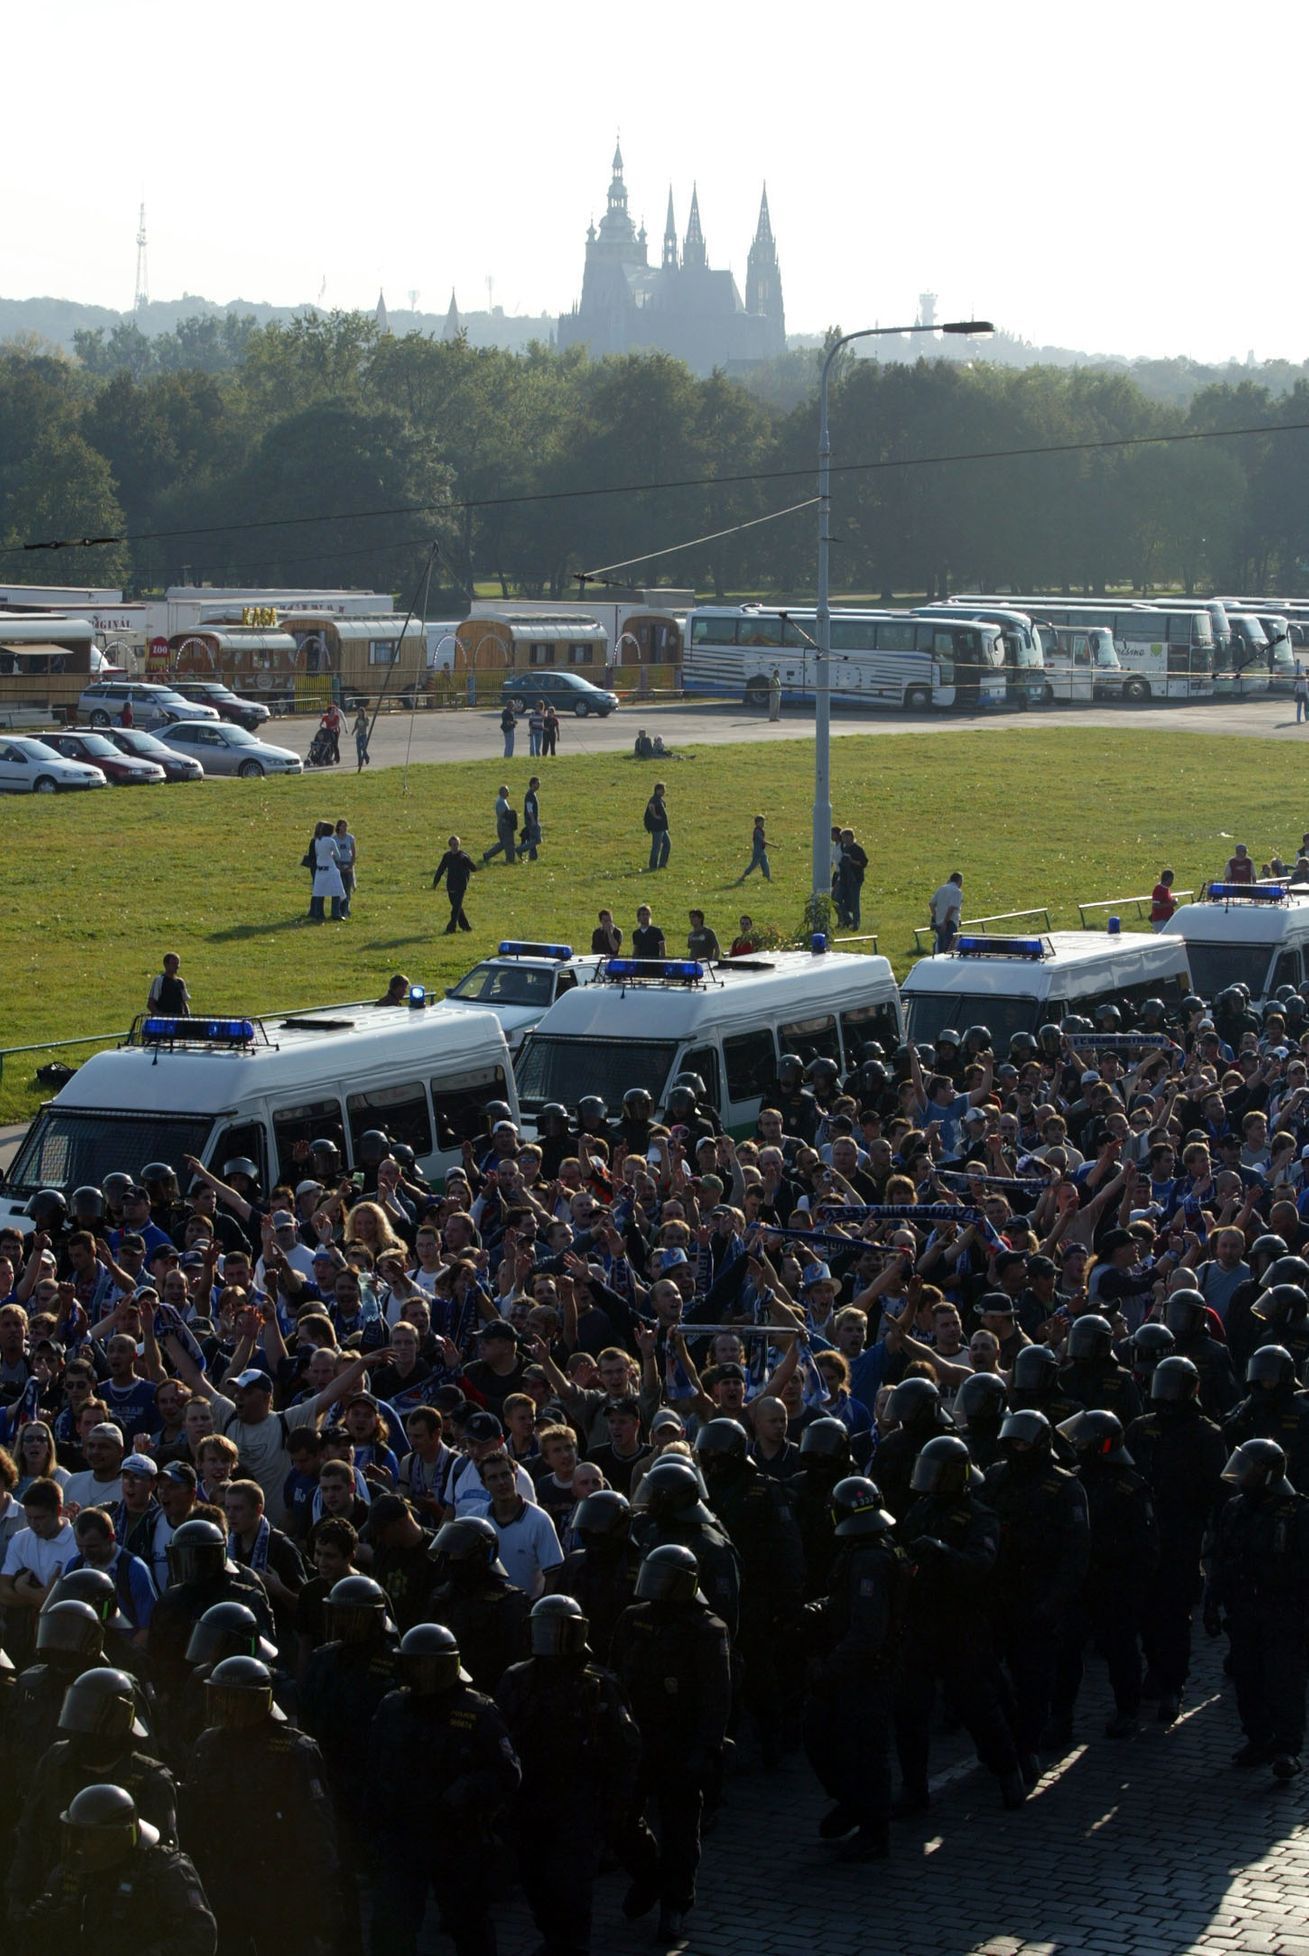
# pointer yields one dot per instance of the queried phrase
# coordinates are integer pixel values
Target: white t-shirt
(45, 1560)
(528, 1547)
(466, 1495)
(88, 1492)
(946, 902)
(263, 1450)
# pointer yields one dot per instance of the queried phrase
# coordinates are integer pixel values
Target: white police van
(215, 1088)
(644, 1021)
(1016, 984)
(1254, 934)
(520, 984)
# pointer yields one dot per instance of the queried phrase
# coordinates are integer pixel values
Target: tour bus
(1254, 934)
(1081, 663)
(879, 658)
(1166, 650)
(1016, 984)
(643, 1022)
(219, 1087)
(1023, 654)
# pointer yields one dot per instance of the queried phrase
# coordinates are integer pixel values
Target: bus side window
(244, 1138)
(704, 1061)
(750, 1062)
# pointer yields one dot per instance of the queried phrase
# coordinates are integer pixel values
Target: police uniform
(150, 1904)
(674, 1663)
(1124, 1554)
(441, 1768)
(949, 1587)
(763, 1532)
(715, 1554)
(849, 1703)
(60, 1774)
(1181, 1455)
(489, 1621)
(1281, 1414)
(1041, 1565)
(1259, 1576)
(603, 1584)
(579, 1749)
(1101, 1385)
(1219, 1392)
(257, 1817)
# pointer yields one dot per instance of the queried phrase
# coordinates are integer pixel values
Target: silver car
(222, 749)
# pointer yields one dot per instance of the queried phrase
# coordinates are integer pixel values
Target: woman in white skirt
(327, 874)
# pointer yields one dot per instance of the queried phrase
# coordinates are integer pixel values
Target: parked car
(31, 767)
(227, 704)
(148, 747)
(567, 692)
(152, 705)
(97, 750)
(230, 750)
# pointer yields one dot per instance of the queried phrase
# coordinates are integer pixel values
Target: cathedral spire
(452, 328)
(618, 158)
(670, 236)
(764, 233)
(693, 250)
(763, 281)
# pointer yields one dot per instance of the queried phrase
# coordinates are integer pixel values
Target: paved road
(473, 736)
(1152, 1848)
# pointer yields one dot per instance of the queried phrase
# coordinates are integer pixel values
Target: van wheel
(580, 709)
(99, 718)
(917, 699)
(1135, 691)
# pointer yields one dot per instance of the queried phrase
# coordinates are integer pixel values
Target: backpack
(649, 820)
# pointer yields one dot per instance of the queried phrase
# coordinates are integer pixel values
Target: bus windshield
(555, 1067)
(1216, 966)
(68, 1148)
(929, 1013)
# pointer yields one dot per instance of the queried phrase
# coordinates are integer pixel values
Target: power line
(452, 506)
(734, 529)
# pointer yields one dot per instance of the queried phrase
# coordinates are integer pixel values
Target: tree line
(237, 453)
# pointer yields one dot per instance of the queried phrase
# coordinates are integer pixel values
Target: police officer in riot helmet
(1147, 1345)
(345, 1681)
(823, 1079)
(1154, 1016)
(951, 1541)
(1023, 1046)
(1180, 1455)
(1035, 1386)
(600, 1574)
(849, 1701)
(554, 1137)
(687, 1106)
(69, 1641)
(947, 1054)
(1186, 1315)
(1280, 1313)
(97, 1737)
(1108, 1017)
(88, 1205)
(1258, 1589)
(825, 1459)
(167, 1210)
(325, 1160)
(572, 1731)
(1041, 1567)
(669, 1508)
(446, 1749)
(797, 1106)
(1092, 1375)
(635, 1124)
(915, 1406)
(980, 1406)
(1245, 1332)
(866, 1082)
(48, 1213)
(1274, 1408)
(672, 1657)
(976, 1044)
(117, 1884)
(476, 1600)
(201, 1575)
(1107, 1609)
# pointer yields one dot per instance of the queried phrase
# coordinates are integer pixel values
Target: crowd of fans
(559, 1479)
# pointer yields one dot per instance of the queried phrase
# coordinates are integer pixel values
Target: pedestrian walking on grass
(945, 909)
(531, 834)
(758, 853)
(506, 828)
(656, 827)
(327, 875)
(360, 731)
(347, 850)
(457, 868)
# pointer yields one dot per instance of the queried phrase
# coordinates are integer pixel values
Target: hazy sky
(1119, 178)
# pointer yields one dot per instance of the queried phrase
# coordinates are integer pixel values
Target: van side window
(750, 1059)
(864, 1022)
(704, 1061)
(810, 1039)
(243, 1138)
(458, 1100)
(311, 1120)
(1286, 971)
(401, 1111)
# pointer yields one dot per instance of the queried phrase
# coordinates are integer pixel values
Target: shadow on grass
(237, 933)
(396, 943)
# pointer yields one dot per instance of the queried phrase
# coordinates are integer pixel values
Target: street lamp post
(970, 328)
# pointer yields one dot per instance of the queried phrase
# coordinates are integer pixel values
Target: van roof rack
(1245, 893)
(984, 945)
(654, 971)
(222, 1032)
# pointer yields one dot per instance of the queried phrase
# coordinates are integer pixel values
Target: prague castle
(681, 305)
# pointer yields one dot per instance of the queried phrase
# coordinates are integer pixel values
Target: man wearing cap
(138, 1514)
(499, 1369)
(465, 1490)
(98, 1547)
(202, 1205)
(282, 1246)
(624, 1450)
(175, 1491)
(101, 1486)
(136, 1220)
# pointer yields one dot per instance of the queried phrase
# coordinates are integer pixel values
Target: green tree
(65, 489)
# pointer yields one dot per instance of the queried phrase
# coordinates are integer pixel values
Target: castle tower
(763, 279)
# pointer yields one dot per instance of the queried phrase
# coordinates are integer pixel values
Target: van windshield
(67, 1148)
(930, 1012)
(554, 1067)
(1216, 966)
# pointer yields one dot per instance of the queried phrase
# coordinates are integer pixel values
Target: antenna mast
(142, 298)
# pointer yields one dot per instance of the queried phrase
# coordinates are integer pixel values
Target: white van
(520, 984)
(1015, 984)
(215, 1088)
(642, 1023)
(1251, 934)
(1081, 663)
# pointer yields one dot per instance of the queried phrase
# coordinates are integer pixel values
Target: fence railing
(1137, 904)
(922, 931)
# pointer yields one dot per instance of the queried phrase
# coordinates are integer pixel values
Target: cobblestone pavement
(1150, 1848)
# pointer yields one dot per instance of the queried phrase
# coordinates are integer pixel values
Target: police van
(215, 1088)
(1015, 984)
(520, 984)
(1254, 934)
(645, 1021)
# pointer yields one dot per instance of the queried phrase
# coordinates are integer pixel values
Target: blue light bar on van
(1246, 892)
(1002, 947)
(417, 997)
(678, 971)
(512, 949)
(201, 1032)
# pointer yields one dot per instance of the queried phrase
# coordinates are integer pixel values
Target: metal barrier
(869, 937)
(1137, 903)
(58, 1045)
(977, 923)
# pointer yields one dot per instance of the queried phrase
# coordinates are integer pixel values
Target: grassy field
(100, 886)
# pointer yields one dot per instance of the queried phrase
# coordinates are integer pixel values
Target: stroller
(320, 750)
